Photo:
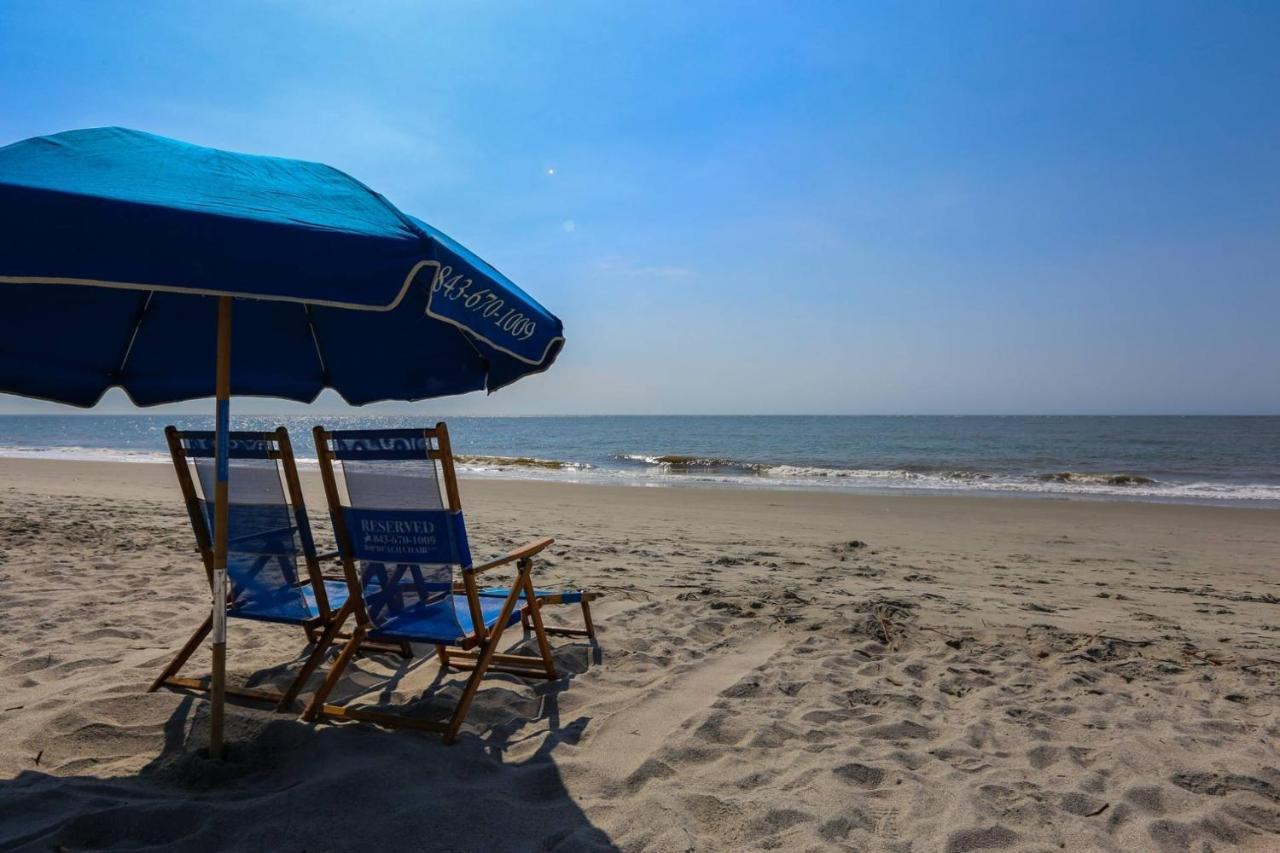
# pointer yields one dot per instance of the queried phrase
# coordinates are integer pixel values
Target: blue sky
(793, 207)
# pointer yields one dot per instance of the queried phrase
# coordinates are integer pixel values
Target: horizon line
(358, 414)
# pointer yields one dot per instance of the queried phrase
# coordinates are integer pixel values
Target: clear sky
(1021, 207)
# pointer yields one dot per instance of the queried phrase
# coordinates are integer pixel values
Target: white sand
(1078, 675)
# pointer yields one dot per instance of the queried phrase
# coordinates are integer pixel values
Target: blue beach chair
(401, 535)
(273, 570)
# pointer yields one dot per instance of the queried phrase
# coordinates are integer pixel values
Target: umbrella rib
(315, 341)
(137, 324)
(484, 362)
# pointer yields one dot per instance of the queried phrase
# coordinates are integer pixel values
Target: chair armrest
(520, 553)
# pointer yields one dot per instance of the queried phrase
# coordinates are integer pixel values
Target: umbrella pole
(217, 693)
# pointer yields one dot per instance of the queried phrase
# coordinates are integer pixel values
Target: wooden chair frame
(282, 452)
(556, 598)
(588, 632)
(477, 652)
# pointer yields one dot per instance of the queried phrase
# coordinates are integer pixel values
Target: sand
(775, 670)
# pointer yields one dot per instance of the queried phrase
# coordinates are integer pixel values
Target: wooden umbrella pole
(217, 693)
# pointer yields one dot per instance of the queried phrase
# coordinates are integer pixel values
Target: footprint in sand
(860, 774)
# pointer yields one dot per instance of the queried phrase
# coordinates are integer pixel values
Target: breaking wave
(672, 469)
(531, 462)
(676, 462)
(1098, 479)
(651, 469)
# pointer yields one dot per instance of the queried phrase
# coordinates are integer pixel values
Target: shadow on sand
(290, 786)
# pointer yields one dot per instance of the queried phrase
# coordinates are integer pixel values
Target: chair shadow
(437, 698)
(290, 786)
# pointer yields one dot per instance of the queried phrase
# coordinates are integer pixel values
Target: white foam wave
(875, 480)
(654, 471)
(1102, 485)
(83, 454)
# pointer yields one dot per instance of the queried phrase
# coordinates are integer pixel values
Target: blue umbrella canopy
(122, 255)
(114, 245)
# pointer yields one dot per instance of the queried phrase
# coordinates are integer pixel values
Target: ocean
(1201, 459)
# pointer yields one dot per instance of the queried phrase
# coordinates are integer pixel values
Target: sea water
(1194, 458)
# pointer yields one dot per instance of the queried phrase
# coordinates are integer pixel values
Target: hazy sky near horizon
(816, 207)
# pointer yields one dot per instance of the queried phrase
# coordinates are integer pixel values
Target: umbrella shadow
(289, 786)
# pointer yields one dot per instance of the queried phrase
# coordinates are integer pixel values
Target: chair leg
(406, 650)
(335, 672)
(586, 618)
(313, 660)
(489, 648)
(187, 650)
(534, 609)
(473, 683)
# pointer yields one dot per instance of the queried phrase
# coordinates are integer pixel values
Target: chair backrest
(268, 534)
(399, 527)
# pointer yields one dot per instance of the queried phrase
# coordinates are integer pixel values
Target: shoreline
(693, 482)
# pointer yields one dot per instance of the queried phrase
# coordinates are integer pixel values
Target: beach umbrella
(124, 255)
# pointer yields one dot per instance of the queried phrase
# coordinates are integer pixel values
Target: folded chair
(273, 569)
(401, 539)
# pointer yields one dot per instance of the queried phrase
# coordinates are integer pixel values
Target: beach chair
(401, 535)
(273, 570)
